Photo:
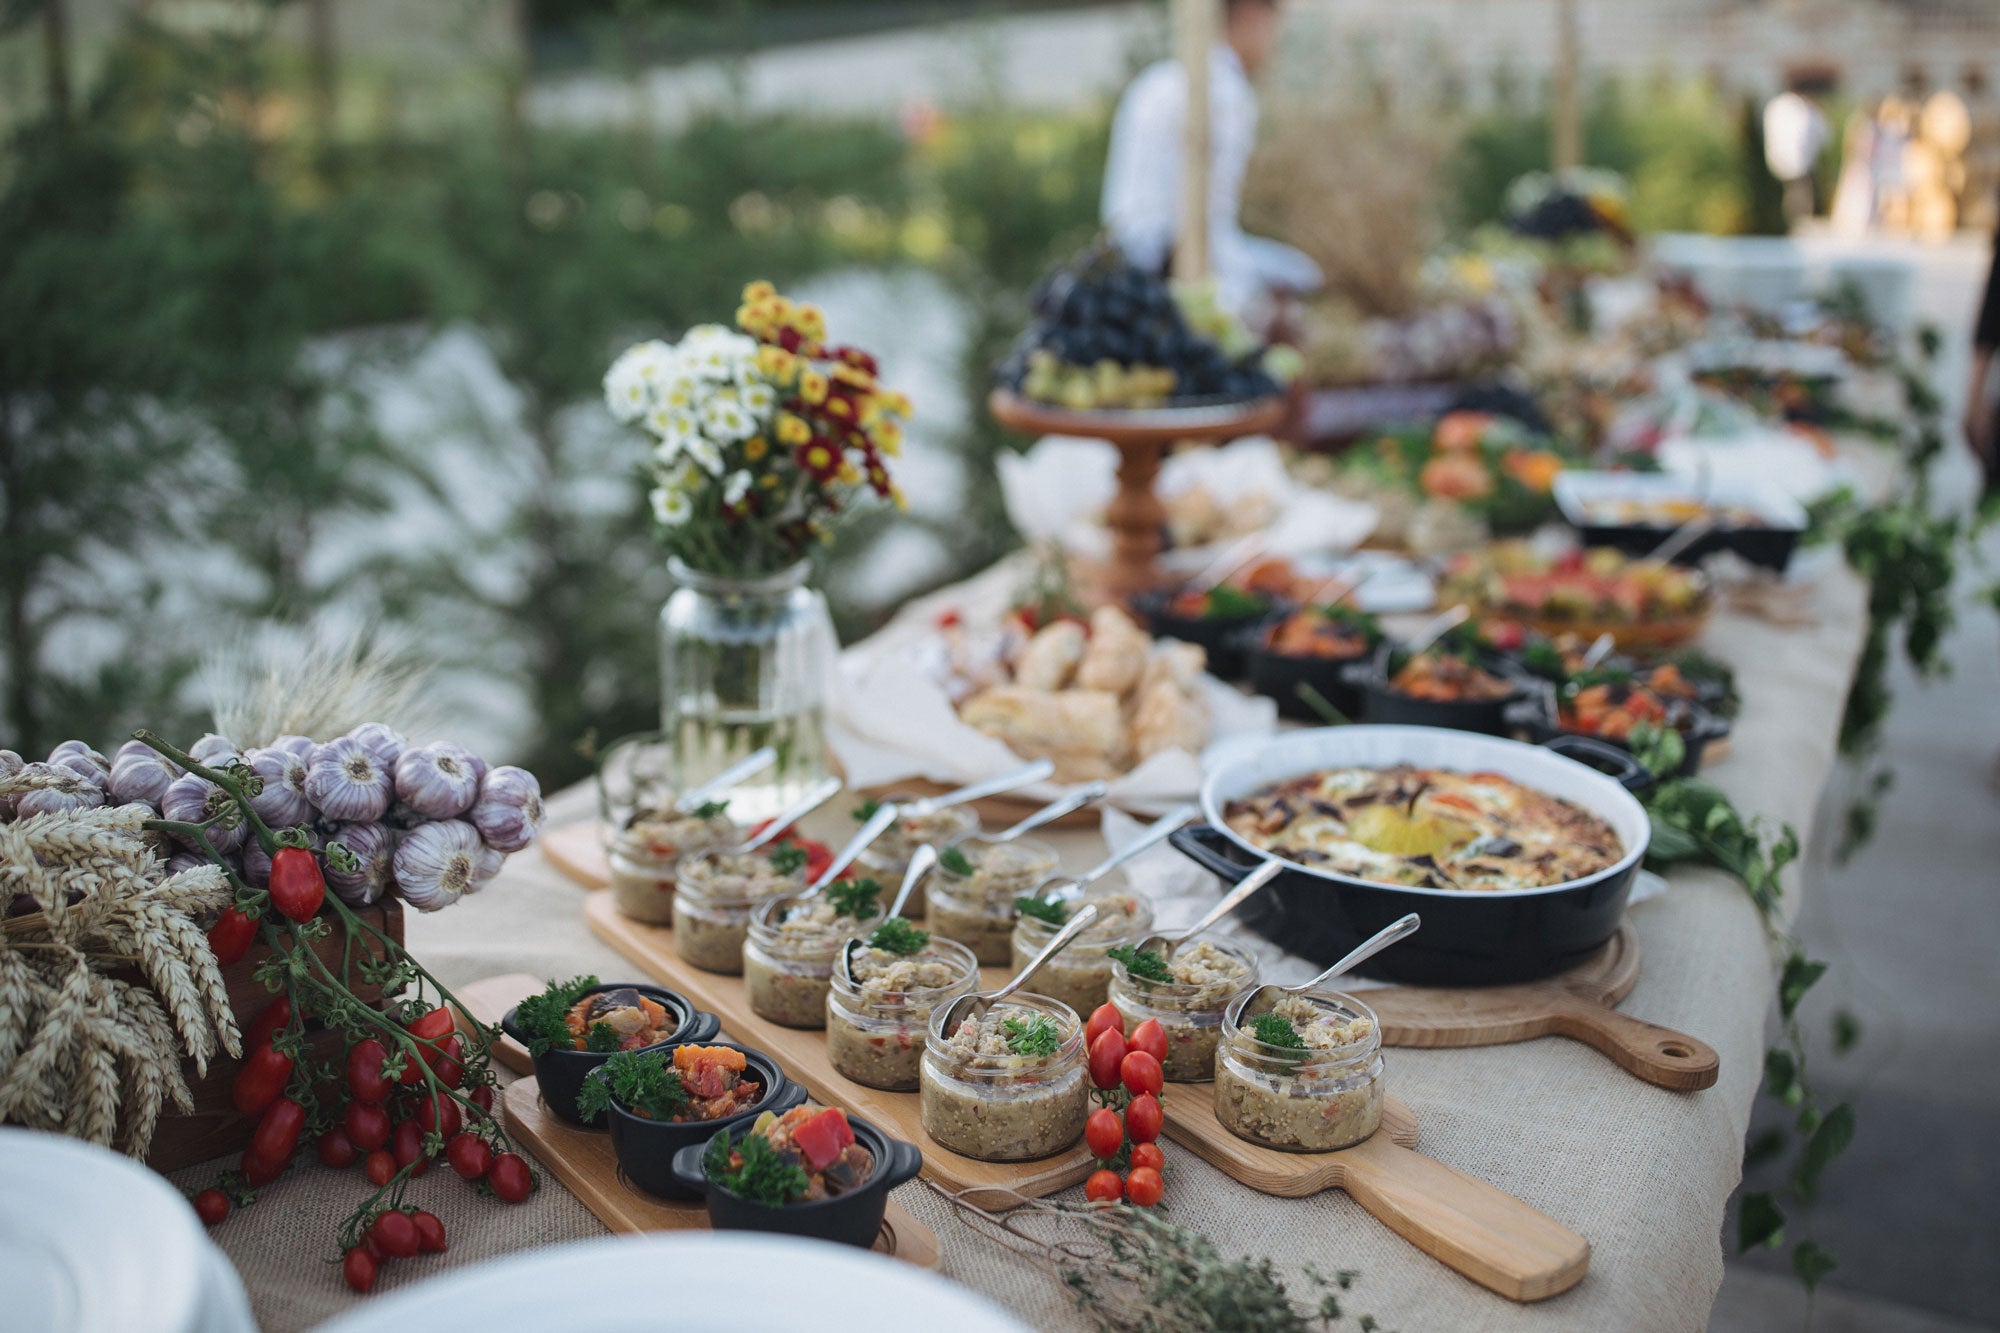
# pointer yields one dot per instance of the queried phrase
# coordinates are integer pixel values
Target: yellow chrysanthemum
(840, 408)
(810, 321)
(888, 437)
(896, 495)
(755, 448)
(771, 482)
(760, 290)
(776, 363)
(854, 375)
(793, 430)
(849, 474)
(813, 387)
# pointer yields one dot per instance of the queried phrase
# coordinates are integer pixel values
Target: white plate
(697, 1281)
(92, 1242)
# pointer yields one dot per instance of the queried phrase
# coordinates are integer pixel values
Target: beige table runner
(1643, 1173)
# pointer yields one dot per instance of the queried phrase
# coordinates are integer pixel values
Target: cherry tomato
(1141, 1073)
(1143, 1186)
(482, 1097)
(1106, 1054)
(336, 1149)
(1104, 1133)
(1143, 1116)
(261, 1080)
(277, 1136)
(1151, 1038)
(427, 1027)
(268, 1022)
(231, 936)
(469, 1155)
(1148, 1155)
(430, 1232)
(358, 1267)
(449, 1065)
(259, 1170)
(364, 1070)
(1104, 1187)
(380, 1168)
(510, 1177)
(408, 1145)
(297, 886)
(367, 1125)
(211, 1206)
(438, 1112)
(394, 1234)
(1104, 1018)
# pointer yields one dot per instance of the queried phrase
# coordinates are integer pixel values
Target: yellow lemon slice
(1389, 830)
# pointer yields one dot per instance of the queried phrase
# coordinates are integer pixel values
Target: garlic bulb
(191, 798)
(283, 801)
(383, 741)
(141, 773)
(213, 749)
(184, 860)
(66, 790)
(435, 863)
(374, 845)
(302, 746)
(437, 781)
(81, 760)
(347, 782)
(485, 867)
(508, 812)
(10, 764)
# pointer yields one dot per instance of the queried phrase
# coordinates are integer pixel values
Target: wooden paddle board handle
(1482, 1232)
(1656, 1054)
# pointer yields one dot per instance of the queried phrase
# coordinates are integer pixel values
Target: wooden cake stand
(1135, 516)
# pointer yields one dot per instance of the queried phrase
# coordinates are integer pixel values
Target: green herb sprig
(1037, 1036)
(712, 809)
(956, 861)
(643, 1082)
(1276, 1030)
(856, 898)
(752, 1169)
(544, 1019)
(866, 810)
(788, 858)
(601, 1038)
(1145, 964)
(897, 935)
(1227, 603)
(1052, 910)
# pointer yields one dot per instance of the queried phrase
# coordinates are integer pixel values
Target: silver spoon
(1682, 537)
(1165, 945)
(822, 792)
(1254, 1002)
(1438, 627)
(1600, 648)
(921, 862)
(885, 815)
(748, 766)
(977, 1004)
(1020, 777)
(1154, 833)
(1234, 556)
(1048, 814)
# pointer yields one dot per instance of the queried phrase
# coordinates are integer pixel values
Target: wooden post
(1566, 150)
(1195, 30)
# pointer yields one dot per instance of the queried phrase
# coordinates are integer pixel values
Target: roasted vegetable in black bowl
(574, 1026)
(1210, 617)
(658, 1102)
(1292, 656)
(813, 1171)
(1459, 682)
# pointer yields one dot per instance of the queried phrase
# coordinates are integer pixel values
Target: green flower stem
(198, 834)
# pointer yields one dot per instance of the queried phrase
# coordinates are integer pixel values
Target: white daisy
(671, 507)
(736, 488)
(723, 418)
(627, 392)
(680, 391)
(704, 453)
(758, 398)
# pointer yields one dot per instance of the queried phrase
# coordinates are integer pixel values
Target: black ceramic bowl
(560, 1073)
(646, 1148)
(1467, 939)
(1383, 704)
(1215, 634)
(1540, 718)
(1278, 676)
(854, 1218)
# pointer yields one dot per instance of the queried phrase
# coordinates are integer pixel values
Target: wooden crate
(215, 1128)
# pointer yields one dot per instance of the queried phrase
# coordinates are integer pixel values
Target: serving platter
(584, 1161)
(1579, 1004)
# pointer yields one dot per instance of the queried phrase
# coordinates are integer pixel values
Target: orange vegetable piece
(688, 1057)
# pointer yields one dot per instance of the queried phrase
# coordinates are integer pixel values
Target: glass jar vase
(1000, 1107)
(1189, 1011)
(715, 893)
(745, 663)
(1316, 1098)
(1080, 976)
(875, 1035)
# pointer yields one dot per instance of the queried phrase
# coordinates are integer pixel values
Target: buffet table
(1643, 1173)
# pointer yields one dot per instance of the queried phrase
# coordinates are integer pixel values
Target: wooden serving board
(1468, 1225)
(801, 1053)
(584, 1161)
(1578, 1004)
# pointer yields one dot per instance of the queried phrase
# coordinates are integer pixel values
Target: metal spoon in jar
(1254, 1002)
(1048, 814)
(822, 792)
(748, 766)
(1020, 777)
(975, 1005)
(921, 862)
(1165, 945)
(1600, 648)
(1059, 889)
(885, 815)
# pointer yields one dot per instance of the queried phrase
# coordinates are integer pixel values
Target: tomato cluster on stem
(1123, 1132)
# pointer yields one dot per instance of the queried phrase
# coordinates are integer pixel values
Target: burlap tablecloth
(1643, 1173)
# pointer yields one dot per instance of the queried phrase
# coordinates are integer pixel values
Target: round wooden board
(1139, 426)
(1579, 1004)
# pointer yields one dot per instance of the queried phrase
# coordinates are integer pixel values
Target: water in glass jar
(712, 741)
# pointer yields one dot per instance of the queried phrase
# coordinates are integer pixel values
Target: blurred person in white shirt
(1795, 131)
(1142, 188)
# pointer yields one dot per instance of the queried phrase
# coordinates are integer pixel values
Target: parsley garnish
(1227, 603)
(754, 1170)
(866, 810)
(857, 898)
(1051, 910)
(1276, 1030)
(601, 1038)
(897, 935)
(641, 1082)
(788, 859)
(544, 1019)
(711, 809)
(1037, 1036)
(956, 861)
(1142, 963)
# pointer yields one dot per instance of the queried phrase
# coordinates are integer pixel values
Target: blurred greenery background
(227, 250)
